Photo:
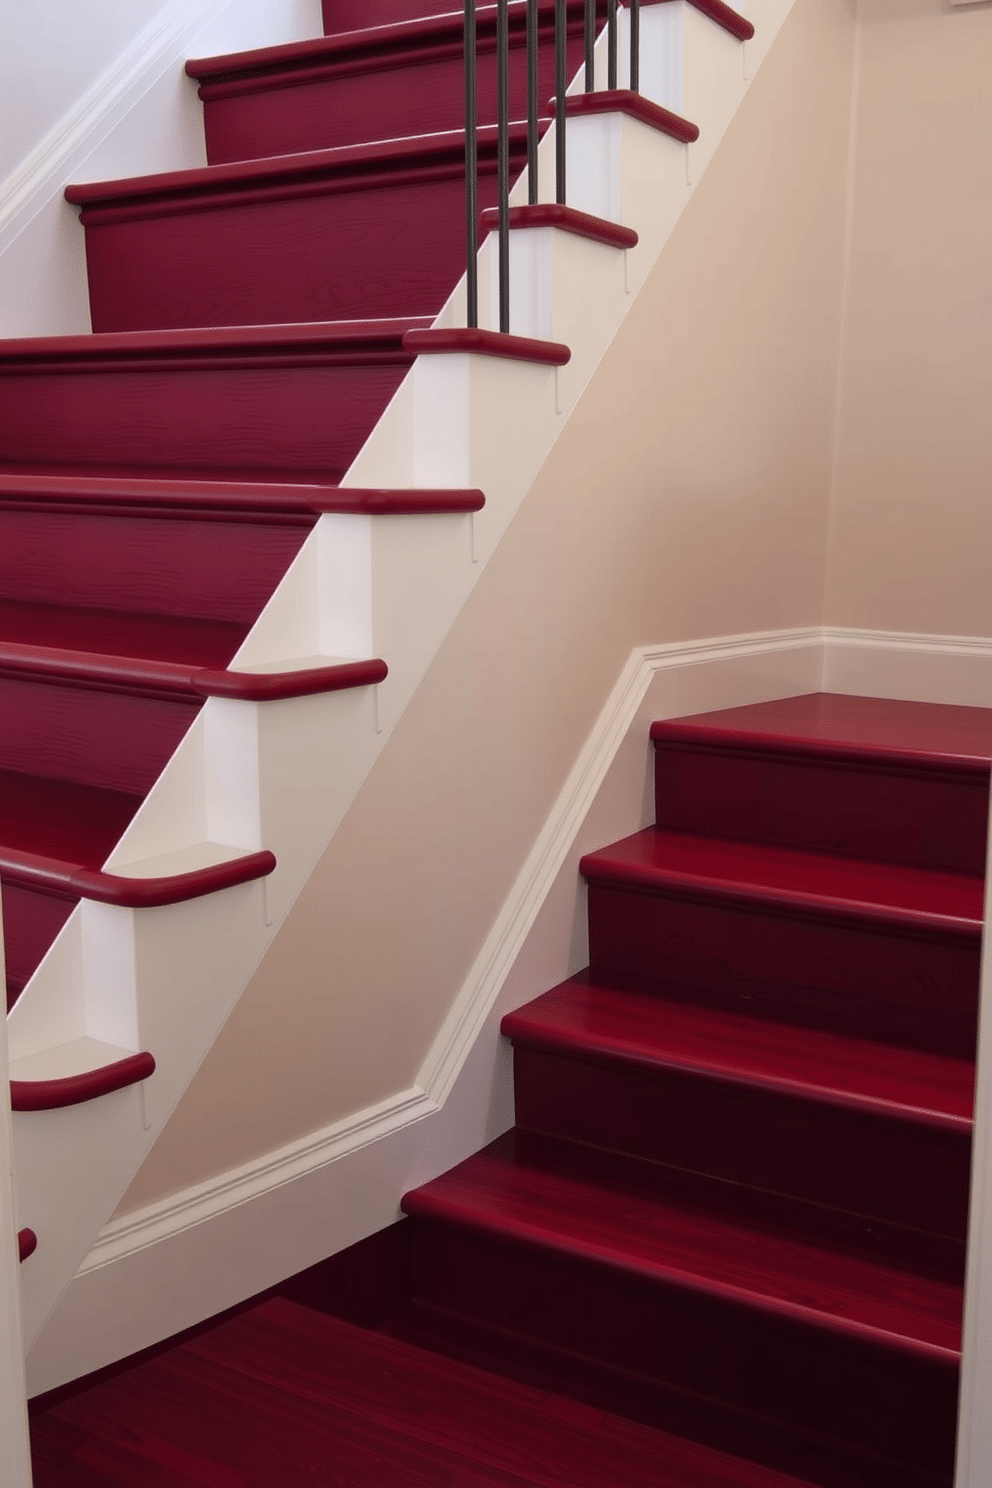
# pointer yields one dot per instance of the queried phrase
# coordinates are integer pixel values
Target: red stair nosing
(361, 48)
(583, 1208)
(74, 1090)
(487, 343)
(568, 219)
(342, 167)
(36, 871)
(593, 1018)
(165, 678)
(223, 500)
(763, 876)
(722, 14)
(27, 1244)
(338, 341)
(959, 745)
(636, 106)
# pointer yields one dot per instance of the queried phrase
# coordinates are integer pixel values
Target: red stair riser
(286, 110)
(353, 15)
(760, 1443)
(927, 818)
(292, 417)
(921, 989)
(89, 735)
(317, 251)
(890, 1170)
(771, 1366)
(31, 921)
(160, 565)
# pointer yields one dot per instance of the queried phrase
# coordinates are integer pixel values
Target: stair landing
(282, 1394)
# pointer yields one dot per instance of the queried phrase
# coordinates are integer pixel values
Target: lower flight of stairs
(724, 1243)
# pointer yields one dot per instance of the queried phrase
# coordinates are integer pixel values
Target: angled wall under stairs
(175, 402)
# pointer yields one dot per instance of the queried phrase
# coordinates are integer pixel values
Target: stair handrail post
(590, 45)
(611, 56)
(503, 157)
(15, 1452)
(471, 169)
(532, 100)
(635, 46)
(561, 82)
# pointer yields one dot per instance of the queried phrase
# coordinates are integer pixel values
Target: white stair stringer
(281, 775)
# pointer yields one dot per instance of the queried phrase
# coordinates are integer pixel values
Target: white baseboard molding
(907, 664)
(166, 1267)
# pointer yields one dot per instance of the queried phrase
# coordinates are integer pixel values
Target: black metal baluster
(590, 45)
(471, 169)
(611, 61)
(532, 104)
(503, 157)
(635, 44)
(561, 22)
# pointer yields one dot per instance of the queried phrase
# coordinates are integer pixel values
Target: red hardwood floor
(283, 1395)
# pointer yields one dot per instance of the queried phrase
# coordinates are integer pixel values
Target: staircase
(209, 620)
(724, 1243)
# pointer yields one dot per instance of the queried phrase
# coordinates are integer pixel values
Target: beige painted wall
(911, 532)
(687, 497)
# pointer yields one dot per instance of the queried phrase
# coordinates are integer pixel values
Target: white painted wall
(52, 55)
(91, 93)
(14, 1452)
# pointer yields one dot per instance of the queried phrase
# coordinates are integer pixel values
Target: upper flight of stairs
(724, 1243)
(185, 546)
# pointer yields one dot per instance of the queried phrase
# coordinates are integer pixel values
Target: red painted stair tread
(593, 1017)
(636, 106)
(381, 81)
(753, 872)
(281, 1393)
(530, 1191)
(567, 219)
(223, 500)
(308, 237)
(114, 633)
(61, 819)
(902, 731)
(283, 402)
(155, 193)
(363, 43)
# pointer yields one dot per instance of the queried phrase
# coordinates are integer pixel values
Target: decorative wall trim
(204, 1201)
(552, 847)
(42, 174)
(911, 643)
(286, 1209)
(908, 664)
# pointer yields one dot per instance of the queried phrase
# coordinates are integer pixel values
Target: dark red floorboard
(283, 1395)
